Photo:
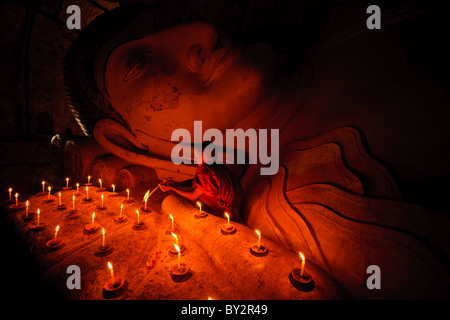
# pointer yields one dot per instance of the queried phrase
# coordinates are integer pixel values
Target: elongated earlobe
(116, 138)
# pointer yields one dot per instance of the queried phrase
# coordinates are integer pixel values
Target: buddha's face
(168, 79)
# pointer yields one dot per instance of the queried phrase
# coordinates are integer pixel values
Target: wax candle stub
(303, 264)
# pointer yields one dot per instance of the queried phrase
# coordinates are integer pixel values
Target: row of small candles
(147, 195)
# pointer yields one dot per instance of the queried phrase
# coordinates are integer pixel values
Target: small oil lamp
(102, 206)
(300, 279)
(77, 192)
(200, 213)
(114, 284)
(56, 243)
(180, 271)
(104, 249)
(128, 199)
(146, 196)
(73, 212)
(121, 218)
(60, 205)
(28, 215)
(259, 249)
(113, 193)
(101, 188)
(17, 205)
(181, 247)
(138, 225)
(67, 185)
(228, 228)
(38, 226)
(88, 197)
(92, 227)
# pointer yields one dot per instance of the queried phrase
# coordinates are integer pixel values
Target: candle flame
(10, 189)
(146, 195)
(100, 180)
(27, 203)
(59, 194)
(170, 216)
(209, 298)
(43, 182)
(174, 235)
(103, 231)
(38, 211)
(16, 195)
(93, 215)
(301, 256)
(110, 265)
(67, 179)
(121, 206)
(102, 195)
(57, 228)
(128, 190)
(137, 211)
(73, 197)
(113, 186)
(199, 204)
(49, 188)
(87, 188)
(259, 234)
(226, 215)
(78, 184)
(177, 248)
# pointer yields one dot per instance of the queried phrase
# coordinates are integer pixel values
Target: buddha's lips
(224, 55)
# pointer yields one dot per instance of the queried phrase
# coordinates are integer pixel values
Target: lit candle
(17, 199)
(145, 204)
(172, 220)
(176, 238)
(111, 271)
(121, 208)
(114, 188)
(93, 217)
(89, 179)
(103, 239)
(26, 212)
(200, 206)
(87, 192)
(209, 298)
(56, 231)
(49, 190)
(10, 190)
(179, 255)
(73, 202)
(78, 187)
(59, 195)
(228, 217)
(137, 211)
(303, 264)
(67, 183)
(43, 186)
(259, 238)
(38, 215)
(128, 194)
(102, 201)
(100, 181)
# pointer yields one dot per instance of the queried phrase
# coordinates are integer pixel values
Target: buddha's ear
(117, 139)
(121, 142)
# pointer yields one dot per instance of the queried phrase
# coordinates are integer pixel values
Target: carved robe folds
(341, 208)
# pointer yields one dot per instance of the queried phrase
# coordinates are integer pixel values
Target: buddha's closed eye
(138, 67)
